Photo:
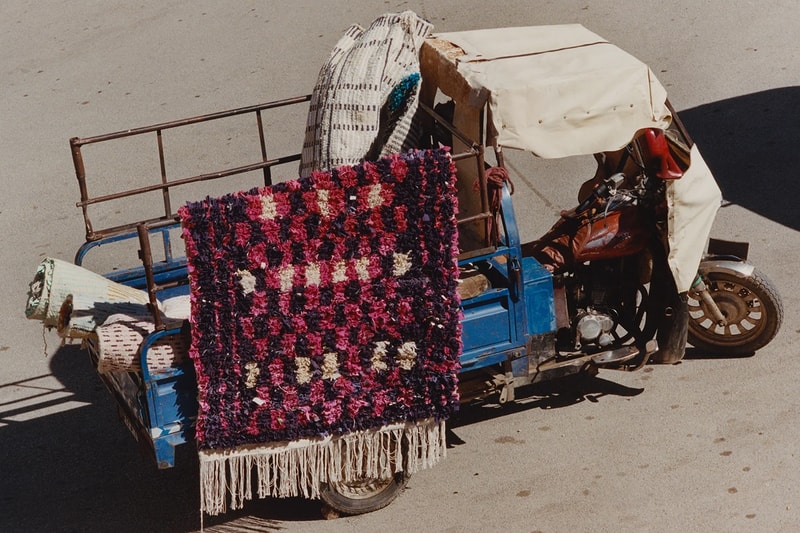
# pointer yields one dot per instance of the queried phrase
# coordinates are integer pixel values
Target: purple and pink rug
(325, 326)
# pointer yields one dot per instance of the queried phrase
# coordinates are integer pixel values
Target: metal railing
(165, 183)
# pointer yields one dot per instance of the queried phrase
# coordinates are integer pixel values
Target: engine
(595, 327)
(595, 303)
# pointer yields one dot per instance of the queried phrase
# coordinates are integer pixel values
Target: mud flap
(673, 328)
(671, 312)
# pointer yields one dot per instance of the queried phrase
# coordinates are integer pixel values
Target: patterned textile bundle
(118, 341)
(364, 102)
(82, 313)
(325, 327)
(75, 299)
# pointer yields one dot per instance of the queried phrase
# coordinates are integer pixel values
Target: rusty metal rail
(165, 184)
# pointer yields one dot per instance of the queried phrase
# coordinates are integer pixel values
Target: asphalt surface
(707, 445)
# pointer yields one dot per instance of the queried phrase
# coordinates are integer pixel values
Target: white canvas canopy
(562, 90)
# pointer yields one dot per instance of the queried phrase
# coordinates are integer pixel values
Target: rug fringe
(298, 468)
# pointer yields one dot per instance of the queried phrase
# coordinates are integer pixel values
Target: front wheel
(363, 496)
(752, 309)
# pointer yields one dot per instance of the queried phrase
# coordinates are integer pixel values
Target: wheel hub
(740, 307)
(733, 308)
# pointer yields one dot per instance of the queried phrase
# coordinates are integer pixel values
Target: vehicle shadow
(750, 142)
(70, 464)
(545, 395)
(697, 354)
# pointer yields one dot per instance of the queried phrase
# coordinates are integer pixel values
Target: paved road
(707, 445)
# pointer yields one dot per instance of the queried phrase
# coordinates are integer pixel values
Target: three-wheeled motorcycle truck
(622, 279)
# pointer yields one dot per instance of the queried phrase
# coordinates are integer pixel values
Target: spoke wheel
(752, 309)
(634, 316)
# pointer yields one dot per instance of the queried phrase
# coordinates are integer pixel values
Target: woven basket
(117, 343)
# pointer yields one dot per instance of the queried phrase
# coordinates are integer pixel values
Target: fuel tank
(622, 231)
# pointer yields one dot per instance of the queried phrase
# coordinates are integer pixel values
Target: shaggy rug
(325, 327)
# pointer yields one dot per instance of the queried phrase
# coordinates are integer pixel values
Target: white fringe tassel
(297, 468)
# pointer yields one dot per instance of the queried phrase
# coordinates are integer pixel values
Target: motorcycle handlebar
(604, 190)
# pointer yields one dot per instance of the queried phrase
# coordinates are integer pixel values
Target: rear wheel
(752, 309)
(363, 496)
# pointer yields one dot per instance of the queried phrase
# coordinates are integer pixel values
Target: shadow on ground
(81, 470)
(697, 354)
(751, 143)
(546, 395)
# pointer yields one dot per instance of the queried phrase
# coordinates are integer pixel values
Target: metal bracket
(507, 394)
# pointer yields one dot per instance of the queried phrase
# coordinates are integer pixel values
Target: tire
(752, 307)
(363, 496)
